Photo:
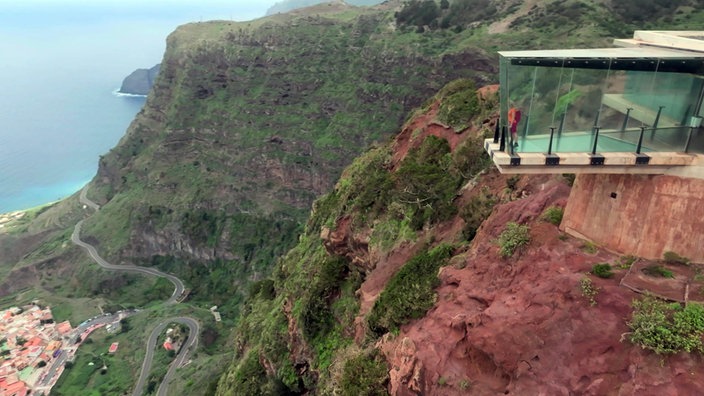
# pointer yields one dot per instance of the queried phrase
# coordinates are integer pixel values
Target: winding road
(193, 326)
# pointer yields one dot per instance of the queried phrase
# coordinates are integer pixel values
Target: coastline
(9, 217)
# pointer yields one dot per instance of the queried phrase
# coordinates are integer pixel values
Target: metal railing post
(656, 122)
(496, 131)
(596, 119)
(689, 140)
(502, 144)
(552, 132)
(596, 139)
(640, 140)
(625, 120)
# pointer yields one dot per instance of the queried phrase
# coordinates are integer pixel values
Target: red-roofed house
(63, 327)
(113, 347)
(15, 388)
(34, 341)
(168, 346)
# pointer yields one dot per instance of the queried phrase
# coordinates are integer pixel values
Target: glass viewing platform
(638, 107)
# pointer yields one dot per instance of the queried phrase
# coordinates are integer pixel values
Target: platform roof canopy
(640, 59)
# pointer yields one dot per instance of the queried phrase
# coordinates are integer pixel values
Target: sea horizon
(64, 63)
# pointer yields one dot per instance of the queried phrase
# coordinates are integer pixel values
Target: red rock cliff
(521, 326)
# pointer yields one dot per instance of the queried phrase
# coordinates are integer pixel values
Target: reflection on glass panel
(668, 139)
(542, 110)
(676, 93)
(616, 117)
(587, 91)
(520, 90)
(504, 66)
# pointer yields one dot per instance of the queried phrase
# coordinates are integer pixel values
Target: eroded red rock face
(521, 325)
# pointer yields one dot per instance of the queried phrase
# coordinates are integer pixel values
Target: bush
(475, 212)
(667, 328)
(469, 158)
(316, 315)
(513, 237)
(458, 108)
(417, 13)
(512, 182)
(602, 270)
(553, 215)
(263, 288)
(658, 271)
(569, 178)
(250, 377)
(626, 261)
(674, 258)
(410, 293)
(366, 374)
(424, 183)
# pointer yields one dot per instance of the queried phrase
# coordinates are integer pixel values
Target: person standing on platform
(514, 117)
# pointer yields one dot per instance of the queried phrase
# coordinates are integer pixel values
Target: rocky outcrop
(521, 325)
(342, 242)
(140, 81)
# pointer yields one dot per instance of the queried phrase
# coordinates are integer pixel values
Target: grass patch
(512, 238)
(589, 247)
(658, 271)
(674, 258)
(625, 262)
(553, 215)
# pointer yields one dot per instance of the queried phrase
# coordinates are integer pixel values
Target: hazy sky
(75, 9)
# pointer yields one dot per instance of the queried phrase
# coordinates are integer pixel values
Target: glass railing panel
(667, 139)
(617, 141)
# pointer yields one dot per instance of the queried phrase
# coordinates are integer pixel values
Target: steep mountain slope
(248, 123)
(425, 271)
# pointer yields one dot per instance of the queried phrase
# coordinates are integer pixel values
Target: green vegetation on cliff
(303, 323)
(667, 327)
(248, 123)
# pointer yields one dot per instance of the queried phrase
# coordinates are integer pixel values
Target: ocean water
(61, 63)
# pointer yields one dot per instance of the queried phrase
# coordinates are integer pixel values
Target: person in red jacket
(514, 117)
